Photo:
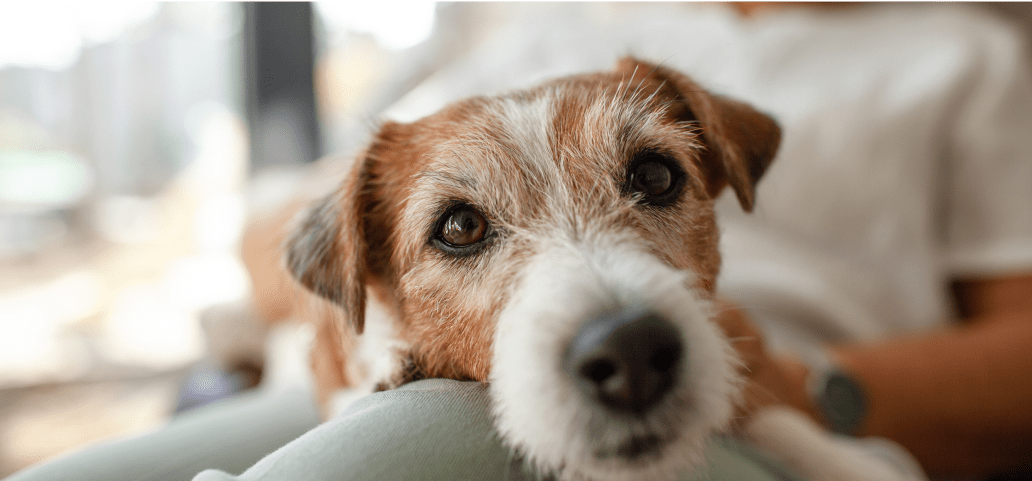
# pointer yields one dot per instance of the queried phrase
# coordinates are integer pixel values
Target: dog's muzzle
(626, 360)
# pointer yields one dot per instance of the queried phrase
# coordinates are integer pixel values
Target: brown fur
(374, 231)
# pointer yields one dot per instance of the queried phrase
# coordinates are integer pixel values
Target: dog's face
(559, 243)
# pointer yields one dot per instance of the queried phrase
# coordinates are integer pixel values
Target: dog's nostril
(627, 360)
(598, 371)
(664, 359)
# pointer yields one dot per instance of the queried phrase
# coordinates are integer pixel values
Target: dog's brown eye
(463, 227)
(656, 178)
(651, 178)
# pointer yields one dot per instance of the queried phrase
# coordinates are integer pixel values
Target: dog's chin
(540, 411)
(602, 445)
(641, 457)
(634, 450)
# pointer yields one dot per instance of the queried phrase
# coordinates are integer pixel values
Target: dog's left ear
(740, 141)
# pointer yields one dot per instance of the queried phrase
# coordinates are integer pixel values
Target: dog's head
(559, 243)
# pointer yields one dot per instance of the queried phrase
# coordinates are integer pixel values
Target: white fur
(815, 454)
(537, 407)
(374, 359)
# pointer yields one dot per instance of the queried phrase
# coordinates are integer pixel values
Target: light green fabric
(438, 429)
(229, 435)
(434, 429)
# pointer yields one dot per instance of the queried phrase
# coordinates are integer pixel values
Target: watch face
(843, 402)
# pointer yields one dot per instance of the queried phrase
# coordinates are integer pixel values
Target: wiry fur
(547, 168)
(542, 414)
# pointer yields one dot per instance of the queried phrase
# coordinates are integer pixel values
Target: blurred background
(136, 139)
(131, 135)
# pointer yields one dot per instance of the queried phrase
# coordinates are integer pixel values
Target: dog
(558, 243)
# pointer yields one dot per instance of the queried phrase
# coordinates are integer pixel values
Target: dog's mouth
(634, 448)
(636, 439)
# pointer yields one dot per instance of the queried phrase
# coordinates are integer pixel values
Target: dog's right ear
(327, 252)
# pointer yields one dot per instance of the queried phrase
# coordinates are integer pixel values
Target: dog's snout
(627, 360)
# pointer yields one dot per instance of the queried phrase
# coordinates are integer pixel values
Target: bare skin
(957, 399)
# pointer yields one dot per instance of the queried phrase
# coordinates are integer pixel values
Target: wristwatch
(836, 394)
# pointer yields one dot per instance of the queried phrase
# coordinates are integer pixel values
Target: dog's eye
(656, 178)
(651, 178)
(463, 226)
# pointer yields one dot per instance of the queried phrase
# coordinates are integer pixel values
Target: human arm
(959, 400)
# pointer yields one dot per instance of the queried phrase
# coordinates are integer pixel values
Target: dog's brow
(451, 178)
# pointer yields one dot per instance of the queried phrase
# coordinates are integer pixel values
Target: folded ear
(327, 252)
(740, 141)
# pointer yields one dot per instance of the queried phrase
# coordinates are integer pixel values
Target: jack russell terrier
(559, 244)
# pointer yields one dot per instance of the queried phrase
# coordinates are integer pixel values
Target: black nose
(628, 360)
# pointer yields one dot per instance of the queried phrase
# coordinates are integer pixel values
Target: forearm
(960, 401)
